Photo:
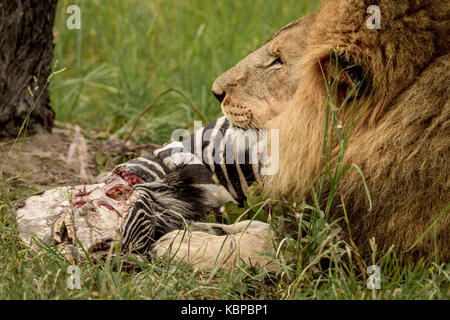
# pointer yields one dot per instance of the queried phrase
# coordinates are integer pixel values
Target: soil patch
(41, 161)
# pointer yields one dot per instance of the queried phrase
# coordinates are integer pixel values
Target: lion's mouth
(233, 125)
(239, 116)
(245, 125)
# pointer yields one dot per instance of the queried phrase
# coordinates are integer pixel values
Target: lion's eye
(276, 62)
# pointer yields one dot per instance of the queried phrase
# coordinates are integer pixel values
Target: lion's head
(401, 140)
(254, 91)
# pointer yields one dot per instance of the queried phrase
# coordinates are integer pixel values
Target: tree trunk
(26, 53)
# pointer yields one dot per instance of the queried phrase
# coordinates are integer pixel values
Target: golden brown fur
(257, 88)
(402, 140)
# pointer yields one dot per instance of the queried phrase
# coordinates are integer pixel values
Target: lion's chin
(245, 138)
(235, 126)
(240, 131)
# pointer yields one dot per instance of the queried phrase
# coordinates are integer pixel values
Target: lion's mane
(402, 139)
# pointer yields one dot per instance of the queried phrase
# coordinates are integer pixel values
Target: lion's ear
(343, 76)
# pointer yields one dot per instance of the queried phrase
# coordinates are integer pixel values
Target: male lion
(402, 139)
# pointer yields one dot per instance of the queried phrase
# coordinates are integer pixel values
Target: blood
(117, 193)
(128, 176)
(79, 203)
(110, 207)
(83, 193)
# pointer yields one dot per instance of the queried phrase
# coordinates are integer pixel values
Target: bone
(91, 213)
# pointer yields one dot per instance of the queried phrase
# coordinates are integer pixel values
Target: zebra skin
(143, 203)
(186, 181)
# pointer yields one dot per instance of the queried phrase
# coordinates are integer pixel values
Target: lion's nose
(220, 96)
(218, 91)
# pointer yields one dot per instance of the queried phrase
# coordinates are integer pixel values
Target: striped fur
(185, 181)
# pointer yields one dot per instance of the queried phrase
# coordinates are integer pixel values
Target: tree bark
(26, 53)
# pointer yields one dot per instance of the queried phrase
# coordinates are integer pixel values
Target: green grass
(29, 274)
(129, 51)
(126, 53)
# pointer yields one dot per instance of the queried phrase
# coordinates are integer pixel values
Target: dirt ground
(41, 162)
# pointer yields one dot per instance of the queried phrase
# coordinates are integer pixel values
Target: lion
(401, 141)
(385, 81)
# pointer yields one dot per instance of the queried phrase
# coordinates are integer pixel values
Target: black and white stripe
(185, 181)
